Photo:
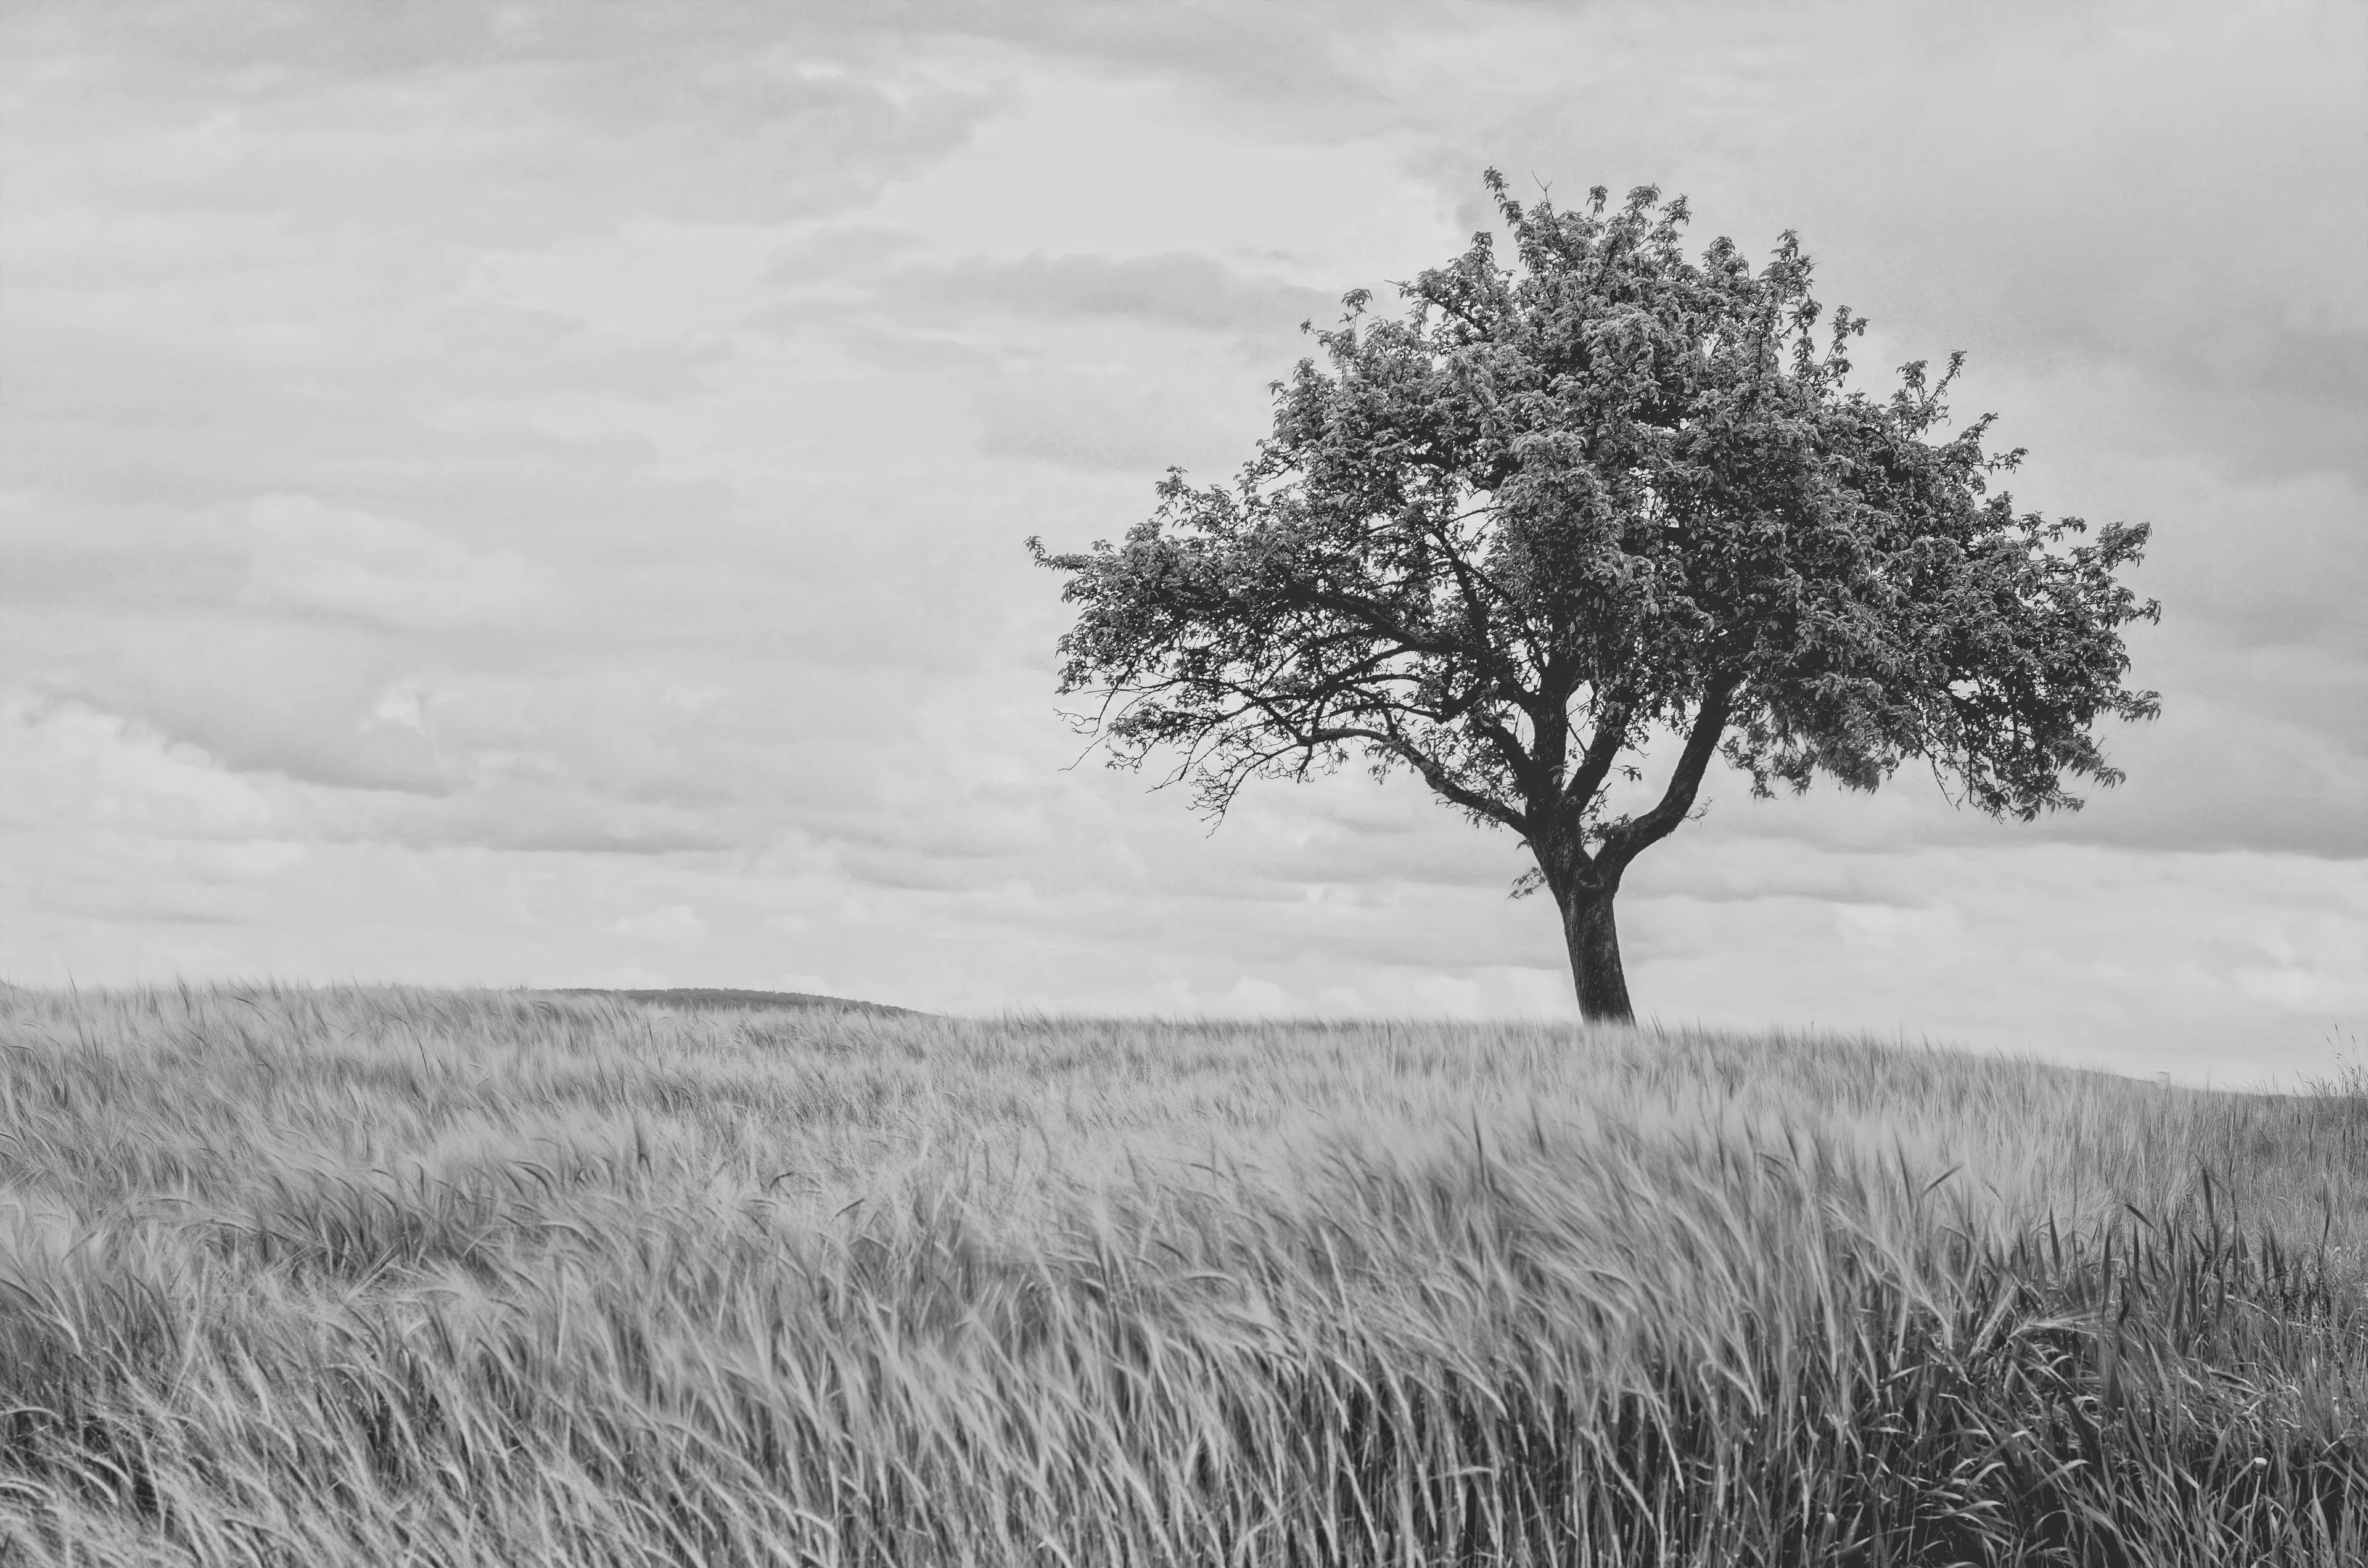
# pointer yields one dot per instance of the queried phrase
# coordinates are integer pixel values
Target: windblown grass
(388, 1277)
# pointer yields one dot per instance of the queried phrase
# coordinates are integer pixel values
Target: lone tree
(1606, 494)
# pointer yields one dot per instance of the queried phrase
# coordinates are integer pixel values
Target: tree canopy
(1593, 494)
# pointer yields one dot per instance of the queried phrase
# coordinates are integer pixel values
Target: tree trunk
(1593, 937)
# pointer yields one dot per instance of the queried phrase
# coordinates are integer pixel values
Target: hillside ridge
(716, 998)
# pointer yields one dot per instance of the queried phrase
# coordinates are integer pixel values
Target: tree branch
(1378, 618)
(1631, 838)
(1433, 773)
(1595, 766)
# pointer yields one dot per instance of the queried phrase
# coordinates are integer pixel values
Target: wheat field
(383, 1276)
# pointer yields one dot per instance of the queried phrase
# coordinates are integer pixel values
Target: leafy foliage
(1605, 490)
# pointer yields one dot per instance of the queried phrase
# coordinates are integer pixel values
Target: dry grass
(384, 1276)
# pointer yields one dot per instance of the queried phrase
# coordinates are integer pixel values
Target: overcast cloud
(532, 494)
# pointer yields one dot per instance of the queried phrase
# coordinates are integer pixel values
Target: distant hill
(709, 999)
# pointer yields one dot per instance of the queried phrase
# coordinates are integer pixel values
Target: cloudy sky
(534, 494)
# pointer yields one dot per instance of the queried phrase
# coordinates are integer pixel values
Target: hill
(709, 999)
(368, 1276)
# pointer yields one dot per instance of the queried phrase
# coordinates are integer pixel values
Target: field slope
(379, 1277)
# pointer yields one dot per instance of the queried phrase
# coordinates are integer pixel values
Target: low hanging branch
(1607, 493)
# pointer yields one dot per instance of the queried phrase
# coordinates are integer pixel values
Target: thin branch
(1595, 766)
(1433, 774)
(1626, 842)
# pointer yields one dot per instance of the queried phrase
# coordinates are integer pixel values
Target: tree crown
(1605, 490)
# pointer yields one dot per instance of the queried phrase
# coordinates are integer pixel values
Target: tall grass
(386, 1277)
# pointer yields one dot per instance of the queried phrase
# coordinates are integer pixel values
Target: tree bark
(1593, 937)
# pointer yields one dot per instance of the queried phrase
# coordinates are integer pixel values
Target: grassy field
(397, 1277)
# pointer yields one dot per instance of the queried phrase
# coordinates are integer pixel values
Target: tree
(1559, 511)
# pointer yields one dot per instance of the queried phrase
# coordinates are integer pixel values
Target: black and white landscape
(575, 989)
(533, 495)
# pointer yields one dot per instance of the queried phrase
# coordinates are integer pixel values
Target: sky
(534, 494)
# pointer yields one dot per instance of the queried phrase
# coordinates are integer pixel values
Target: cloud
(1047, 343)
(66, 766)
(1178, 288)
(712, 117)
(309, 556)
(102, 819)
(676, 926)
(1108, 420)
(2248, 573)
